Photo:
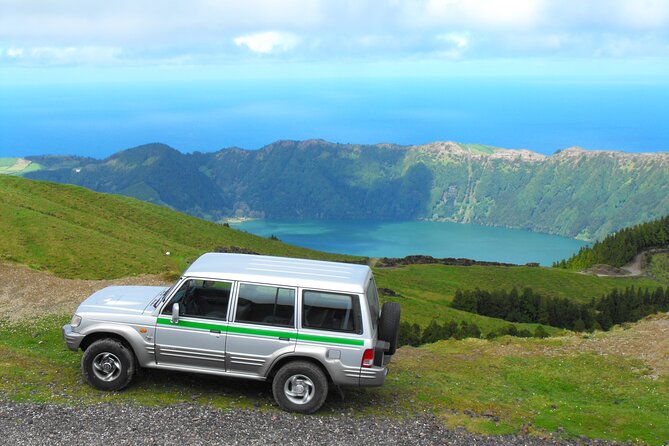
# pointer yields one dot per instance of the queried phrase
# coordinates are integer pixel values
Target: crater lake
(399, 239)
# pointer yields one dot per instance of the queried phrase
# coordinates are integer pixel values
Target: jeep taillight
(367, 358)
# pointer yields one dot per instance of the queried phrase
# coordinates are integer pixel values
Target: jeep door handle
(284, 339)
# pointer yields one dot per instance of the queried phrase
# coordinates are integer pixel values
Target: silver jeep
(302, 324)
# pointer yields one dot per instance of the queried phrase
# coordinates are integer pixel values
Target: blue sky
(84, 44)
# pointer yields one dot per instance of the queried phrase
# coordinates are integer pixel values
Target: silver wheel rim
(106, 366)
(299, 389)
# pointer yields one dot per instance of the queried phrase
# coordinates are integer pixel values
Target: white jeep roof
(345, 277)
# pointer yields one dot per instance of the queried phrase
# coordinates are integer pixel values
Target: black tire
(305, 374)
(389, 325)
(107, 364)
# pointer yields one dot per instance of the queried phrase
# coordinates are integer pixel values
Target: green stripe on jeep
(191, 324)
(262, 332)
(318, 338)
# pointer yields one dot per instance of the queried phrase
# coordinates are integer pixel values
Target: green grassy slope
(77, 233)
(7, 162)
(17, 166)
(501, 386)
(658, 267)
(427, 290)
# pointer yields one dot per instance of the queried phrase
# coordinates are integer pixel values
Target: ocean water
(399, 239)
(99, 118)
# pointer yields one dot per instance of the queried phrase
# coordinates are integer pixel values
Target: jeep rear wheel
(300, 386)
(389, 325)
(107, 364)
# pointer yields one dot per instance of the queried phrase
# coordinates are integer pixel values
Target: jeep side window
(373, 302)
(207, 299)
(331, 311)
(267, 305)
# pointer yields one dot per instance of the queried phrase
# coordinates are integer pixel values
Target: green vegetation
(508, 385)
(426, 291)
(17, 166)
(620, 248)
(77, 233)
(480, 148)
(617, 307)
(658, 267)
(414, 335)
(573, 193)
(534, 385)
(7, 162)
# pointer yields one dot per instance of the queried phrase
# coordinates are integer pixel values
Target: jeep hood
(121, 299)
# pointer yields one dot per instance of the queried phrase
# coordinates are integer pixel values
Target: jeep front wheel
(107, 364)
(300, 386)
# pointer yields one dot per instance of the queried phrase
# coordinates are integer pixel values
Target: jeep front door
(196, 340)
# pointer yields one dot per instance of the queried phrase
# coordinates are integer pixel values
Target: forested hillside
(574, 192)
(620, 248)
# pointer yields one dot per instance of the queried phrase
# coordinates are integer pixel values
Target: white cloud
(212, 31)
(15, 52)
(460, 40)
(268, 42)
(488, 14)
(456, 44)
(63, 55)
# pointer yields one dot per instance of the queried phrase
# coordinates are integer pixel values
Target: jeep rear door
(262, 329)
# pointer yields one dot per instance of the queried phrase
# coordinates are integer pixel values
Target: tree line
(620, 248)
(413, 334)
(616, 307)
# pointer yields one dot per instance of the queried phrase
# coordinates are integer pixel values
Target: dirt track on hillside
(25, 293)
(647, 340)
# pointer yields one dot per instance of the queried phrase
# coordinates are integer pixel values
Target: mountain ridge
(573, 192)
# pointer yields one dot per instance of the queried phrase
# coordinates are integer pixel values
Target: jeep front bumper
(72, 339)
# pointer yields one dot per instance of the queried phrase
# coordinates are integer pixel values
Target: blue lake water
(399, 239)
(99, 118)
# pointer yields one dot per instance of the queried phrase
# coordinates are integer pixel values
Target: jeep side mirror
(175, 313)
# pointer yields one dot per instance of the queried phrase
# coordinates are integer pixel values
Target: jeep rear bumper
(373, 376)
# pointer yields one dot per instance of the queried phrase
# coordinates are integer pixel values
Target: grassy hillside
(77, 233)
(17, 166)
(427, 290)
(658, 267)
(561, 386)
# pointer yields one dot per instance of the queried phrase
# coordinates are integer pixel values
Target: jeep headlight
(76, 320)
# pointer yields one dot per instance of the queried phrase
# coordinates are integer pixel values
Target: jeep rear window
(331, 311)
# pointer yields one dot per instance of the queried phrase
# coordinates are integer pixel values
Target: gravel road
(30, 424)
